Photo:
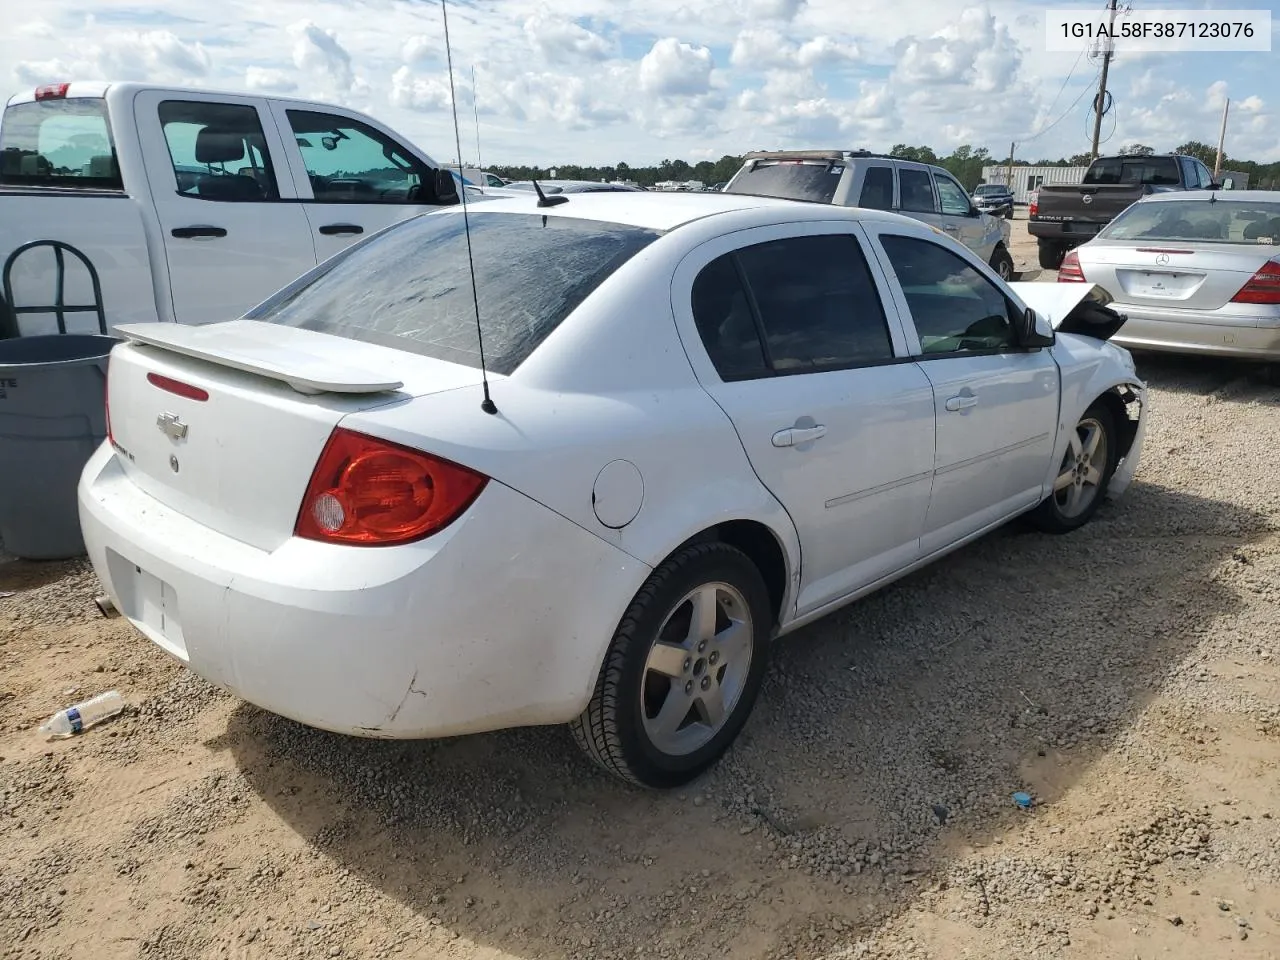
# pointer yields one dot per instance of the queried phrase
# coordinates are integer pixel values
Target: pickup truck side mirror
(1214, 185)
(1027, 334)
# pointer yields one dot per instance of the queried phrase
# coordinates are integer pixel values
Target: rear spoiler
(266, 349)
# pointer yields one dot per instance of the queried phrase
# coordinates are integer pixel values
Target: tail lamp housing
(370, 492)
(1071, 271)
(1263, 287)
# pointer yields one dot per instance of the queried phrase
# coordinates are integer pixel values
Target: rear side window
(917, 191)
(59, 143)
(877, 189)
(812, 180)
(410, 287)
(351, 162)
(218, 150)
(799, 305)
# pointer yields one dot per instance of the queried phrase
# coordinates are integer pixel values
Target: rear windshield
(987, 190)
(813, 180)
(1223, 221)
(410, 288)
(58, 143)
(1156, 171)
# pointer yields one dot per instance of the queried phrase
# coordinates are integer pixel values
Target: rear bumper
(1256, 338)
(500, 621)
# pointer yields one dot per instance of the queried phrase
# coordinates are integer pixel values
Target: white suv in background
(856, 178)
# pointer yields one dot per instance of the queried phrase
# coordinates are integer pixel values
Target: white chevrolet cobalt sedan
(713, 419)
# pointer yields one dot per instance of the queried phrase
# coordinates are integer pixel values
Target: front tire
(683, 670)
(1086, 469)
(1002, 263)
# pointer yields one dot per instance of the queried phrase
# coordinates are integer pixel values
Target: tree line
(965, 163)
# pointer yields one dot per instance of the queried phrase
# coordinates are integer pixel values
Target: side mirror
(446, 187)
(973, 210)
(1028, 335)
(1214, 185)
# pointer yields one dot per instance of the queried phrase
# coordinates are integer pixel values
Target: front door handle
(341, 229)
(793, 436)
(198, 233)
(956, 404)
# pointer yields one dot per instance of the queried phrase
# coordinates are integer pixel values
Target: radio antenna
(476, 110)
(487, 405)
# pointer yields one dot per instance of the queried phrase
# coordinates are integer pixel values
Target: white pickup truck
(126, 202)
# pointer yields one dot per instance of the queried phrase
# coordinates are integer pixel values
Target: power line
(1065, 113)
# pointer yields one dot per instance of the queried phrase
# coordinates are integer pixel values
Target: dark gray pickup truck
(1066, 215)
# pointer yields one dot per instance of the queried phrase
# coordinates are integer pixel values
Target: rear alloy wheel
(1002, 263)
(683, 671)
(1086, 469)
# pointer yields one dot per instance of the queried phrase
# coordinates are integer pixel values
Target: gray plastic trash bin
(52, 418)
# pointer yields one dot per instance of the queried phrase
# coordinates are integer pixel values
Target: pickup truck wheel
(683, 671)
(1051, 255)
(1087, 465)
(1002, 263)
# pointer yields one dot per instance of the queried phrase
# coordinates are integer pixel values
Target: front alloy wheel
(1086, 468)
(683, 670)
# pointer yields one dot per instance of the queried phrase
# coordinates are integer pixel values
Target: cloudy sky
(602, 81)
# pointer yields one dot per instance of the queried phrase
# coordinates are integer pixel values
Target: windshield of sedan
(1198, 221)
(410, 287)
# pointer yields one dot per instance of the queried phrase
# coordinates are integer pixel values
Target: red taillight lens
(1070, 271)
(1263, 287)
(1034, 207)
(52, 91)
(370, 492)
(178, 387)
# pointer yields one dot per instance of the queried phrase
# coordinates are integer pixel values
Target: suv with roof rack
(859, 178)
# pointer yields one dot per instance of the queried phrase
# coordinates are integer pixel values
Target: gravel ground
(1125, 676)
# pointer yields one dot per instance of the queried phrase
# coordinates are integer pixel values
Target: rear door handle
(198, 233)
(341, 229)
(793, 436)
(956, 404)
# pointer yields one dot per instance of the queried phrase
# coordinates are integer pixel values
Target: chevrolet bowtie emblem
(171, 426)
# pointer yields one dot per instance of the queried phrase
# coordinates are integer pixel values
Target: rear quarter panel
(107, 229)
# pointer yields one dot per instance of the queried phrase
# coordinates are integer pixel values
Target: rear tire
(1051, 254)
(1081, 483)
(1002, 263)
(683, 671)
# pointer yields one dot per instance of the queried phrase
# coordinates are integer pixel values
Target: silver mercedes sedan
(1195, 272)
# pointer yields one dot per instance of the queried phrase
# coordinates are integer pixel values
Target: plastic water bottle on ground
(73, 720)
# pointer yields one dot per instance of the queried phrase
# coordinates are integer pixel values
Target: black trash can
(52, 418)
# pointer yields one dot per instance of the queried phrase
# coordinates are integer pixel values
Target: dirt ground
(1126, 676)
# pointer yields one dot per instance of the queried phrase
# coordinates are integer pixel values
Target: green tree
(1201, 151)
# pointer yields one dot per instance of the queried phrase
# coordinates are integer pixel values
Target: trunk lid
(225, 423)
(1173, 275)
(1085, 209)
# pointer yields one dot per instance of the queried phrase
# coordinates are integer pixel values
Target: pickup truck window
(59, 143)
(351, 162)
(1154, 171)
(218, 151)
(409, 287)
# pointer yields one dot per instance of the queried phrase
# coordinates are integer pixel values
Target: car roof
(655, 210)
(1238, 196)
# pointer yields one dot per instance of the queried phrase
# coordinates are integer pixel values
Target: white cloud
(317, 51)
(557, 38)
(425, 94)
(672, 68)
(269, 80)
(773, 9)
(122, 55)
(420, 49)
(823, 50)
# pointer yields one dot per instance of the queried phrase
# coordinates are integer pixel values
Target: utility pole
(1008, 177)
(1108, 46)
(1222, 139)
